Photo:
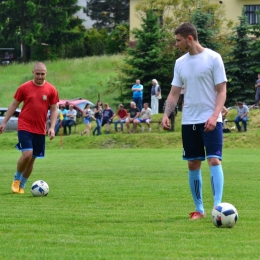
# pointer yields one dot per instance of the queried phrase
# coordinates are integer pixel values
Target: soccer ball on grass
(40, 188)
(224, 215)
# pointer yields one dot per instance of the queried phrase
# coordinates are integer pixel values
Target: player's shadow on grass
(13, 194)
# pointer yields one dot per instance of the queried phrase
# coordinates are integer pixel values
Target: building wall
(134, 19)
(233, 9)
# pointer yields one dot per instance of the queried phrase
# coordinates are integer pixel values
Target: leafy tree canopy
(151, 58)
(239, 65)
(108, 13)
(38, 21)
(215, 30)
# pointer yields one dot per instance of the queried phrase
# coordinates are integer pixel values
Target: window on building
(252, 16)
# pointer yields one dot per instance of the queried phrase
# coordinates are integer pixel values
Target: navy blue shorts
(196, 141)
(31, 142)
(106, 121)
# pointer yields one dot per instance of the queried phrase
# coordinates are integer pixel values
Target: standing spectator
(108, 115)
(224, 112)
(122, 115)
(134, 112)
(98, 110)
(138, 94)
(242, 115)
(257, 92)
(145, 117)
(205, 80)
(155, 96)
(71, 116)
(87, 116)
(40, 94)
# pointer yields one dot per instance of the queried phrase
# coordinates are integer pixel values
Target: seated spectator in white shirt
(145, 117)
(70, 120)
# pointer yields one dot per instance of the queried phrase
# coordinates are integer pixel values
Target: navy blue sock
(195, 181)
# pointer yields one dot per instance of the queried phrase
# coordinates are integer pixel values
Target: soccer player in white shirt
(202, 72)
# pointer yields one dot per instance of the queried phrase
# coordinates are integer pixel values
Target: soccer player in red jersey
(37, 96)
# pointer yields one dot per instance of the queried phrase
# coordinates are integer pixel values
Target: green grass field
(126, 204)
(110, 201)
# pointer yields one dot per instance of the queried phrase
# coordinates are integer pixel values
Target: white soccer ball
(224, 215)
(40, 188)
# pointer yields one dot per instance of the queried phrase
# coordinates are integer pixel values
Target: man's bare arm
(172, 100)
(171, 103)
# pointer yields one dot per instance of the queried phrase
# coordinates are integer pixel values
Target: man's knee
(27, 155)
(213, 161)
(194, 165)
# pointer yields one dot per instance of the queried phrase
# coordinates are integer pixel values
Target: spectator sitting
(134, 112)
(70, 120)
(145, 117)
(108, 115)
(242, 115)
(7, 59)
(122, 115)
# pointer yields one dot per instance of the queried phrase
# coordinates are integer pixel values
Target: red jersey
(122, 113)
(36, 101)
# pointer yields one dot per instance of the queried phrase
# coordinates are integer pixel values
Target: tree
(174, 12)
(118, 39)
(151, 58)
(39, 21)
(255, 46)
(108, 13)
(239, 65)
(95, 41)
(206, 33)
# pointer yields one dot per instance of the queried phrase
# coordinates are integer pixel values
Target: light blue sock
(17, 175)
(23, 182)
(217, 183)
(195, 181)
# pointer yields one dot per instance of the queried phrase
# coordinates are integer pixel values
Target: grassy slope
(87, 78)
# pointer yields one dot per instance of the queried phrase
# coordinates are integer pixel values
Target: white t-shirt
(146, 113)
(199, 74)
(241, 111)
(73, 113)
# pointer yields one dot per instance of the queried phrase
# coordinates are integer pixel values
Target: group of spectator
(66, 119)
(137, 90)
(104, 115)
(137, 114)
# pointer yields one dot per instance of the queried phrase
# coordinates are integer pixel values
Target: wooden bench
(228, 123)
